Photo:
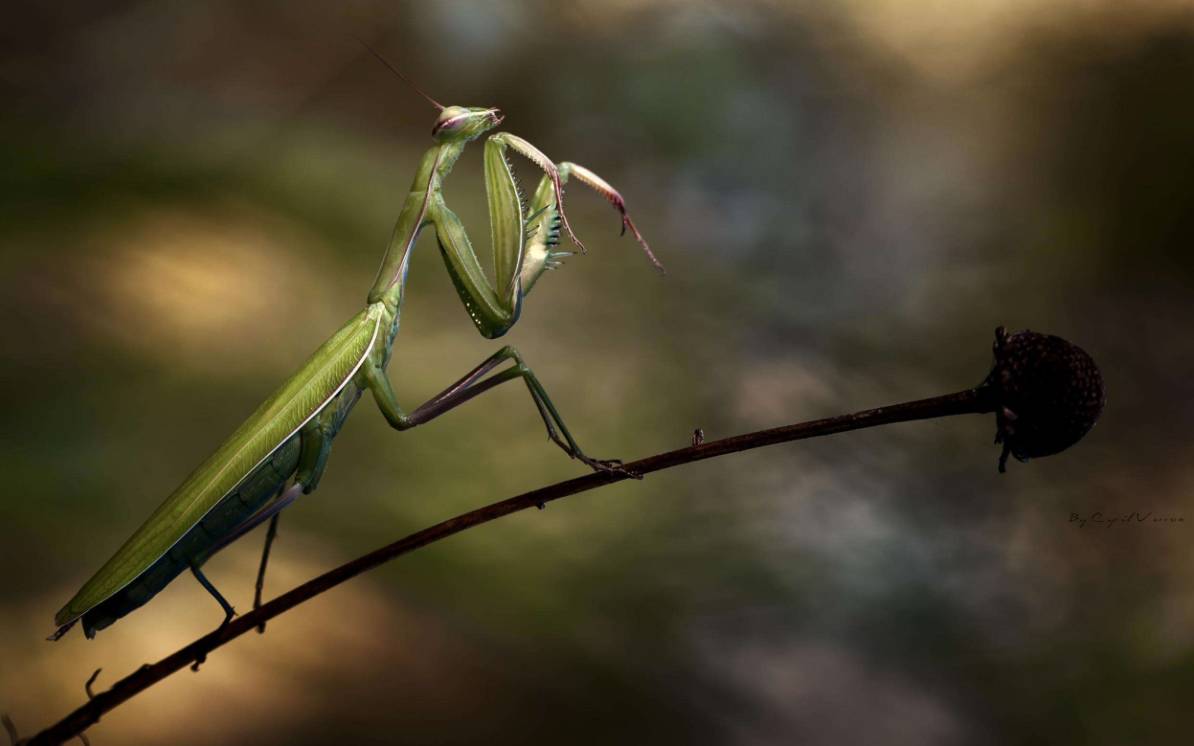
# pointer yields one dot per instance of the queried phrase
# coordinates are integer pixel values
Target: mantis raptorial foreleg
(543, 222)
(524, 236)
(493, 306)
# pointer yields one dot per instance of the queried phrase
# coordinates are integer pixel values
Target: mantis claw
(536, 156)
(605, 189)
(613, 465)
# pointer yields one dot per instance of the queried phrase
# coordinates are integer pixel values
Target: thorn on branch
(11, 727)
(90, 681)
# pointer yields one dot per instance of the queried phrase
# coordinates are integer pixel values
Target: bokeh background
(849, 197)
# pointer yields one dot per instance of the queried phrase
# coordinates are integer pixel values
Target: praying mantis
(280, 452)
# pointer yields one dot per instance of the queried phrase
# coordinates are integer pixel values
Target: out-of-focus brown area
(849, 198)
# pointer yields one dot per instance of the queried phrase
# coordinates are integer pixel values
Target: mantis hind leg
(270, 511)
(473, 384)
(229, 612)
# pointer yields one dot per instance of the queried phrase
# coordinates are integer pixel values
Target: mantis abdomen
(290, 433)
(203, 538)
(254, 500)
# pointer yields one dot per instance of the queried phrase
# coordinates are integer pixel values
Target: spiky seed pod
(1048, 394)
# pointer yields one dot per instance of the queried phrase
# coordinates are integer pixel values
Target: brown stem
(964, 402)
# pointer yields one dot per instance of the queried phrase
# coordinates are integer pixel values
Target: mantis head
(464, 123)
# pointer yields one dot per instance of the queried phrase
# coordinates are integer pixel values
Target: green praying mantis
(281, 450)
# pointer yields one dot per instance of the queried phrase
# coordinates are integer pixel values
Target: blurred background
(849, 198)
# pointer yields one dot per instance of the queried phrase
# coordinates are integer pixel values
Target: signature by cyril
(1099, 519)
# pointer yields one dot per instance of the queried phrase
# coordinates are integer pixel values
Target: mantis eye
(449, 119)
(465, 122)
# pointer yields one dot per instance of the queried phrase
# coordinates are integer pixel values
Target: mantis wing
(289, 408)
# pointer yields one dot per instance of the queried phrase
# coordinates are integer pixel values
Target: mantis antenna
(398, 72)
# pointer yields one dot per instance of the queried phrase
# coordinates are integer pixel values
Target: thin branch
(965, 402)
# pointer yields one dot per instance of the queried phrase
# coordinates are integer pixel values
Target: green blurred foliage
(849, 197)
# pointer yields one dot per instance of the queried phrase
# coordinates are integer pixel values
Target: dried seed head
(1048, 393)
